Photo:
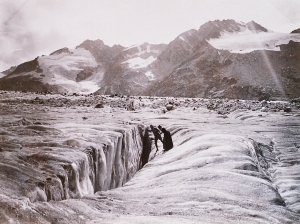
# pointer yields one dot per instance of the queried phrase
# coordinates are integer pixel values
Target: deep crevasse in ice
(109, 166)
(86, 167)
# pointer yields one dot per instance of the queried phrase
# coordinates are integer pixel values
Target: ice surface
(83, 87)
(62, 69)
(236, 168)
(69, 61)
(244, 42)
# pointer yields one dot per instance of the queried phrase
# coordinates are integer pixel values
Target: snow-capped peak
(217, 28)
(243, 38)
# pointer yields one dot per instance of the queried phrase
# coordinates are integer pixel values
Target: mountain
(296, 31)
(217, 28)
(236, 60)
(129, 72)
(218, 73)
(91, 66)
(221, 59)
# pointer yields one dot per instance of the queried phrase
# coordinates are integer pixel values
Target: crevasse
(100, 168)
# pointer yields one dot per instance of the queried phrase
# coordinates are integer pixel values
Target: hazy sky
(30, 28)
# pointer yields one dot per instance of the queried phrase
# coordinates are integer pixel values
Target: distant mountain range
(225, 59)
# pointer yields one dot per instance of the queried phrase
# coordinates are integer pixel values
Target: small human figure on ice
(167, 140)
(157, 135)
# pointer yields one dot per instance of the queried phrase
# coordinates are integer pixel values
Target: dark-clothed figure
(146, 148)
(157, 135)
(167, 141)
(160, 127)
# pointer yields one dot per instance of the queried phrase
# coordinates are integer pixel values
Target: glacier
(64, 161)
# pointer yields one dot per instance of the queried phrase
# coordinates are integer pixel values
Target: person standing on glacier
(157, 135)
(167, 141)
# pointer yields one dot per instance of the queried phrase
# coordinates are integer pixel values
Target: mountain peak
(214, 29)
(90, 44)
(62, 50)
(99, 50)
(188, 33)
(11, 69)
(296, 31)
(255, 27)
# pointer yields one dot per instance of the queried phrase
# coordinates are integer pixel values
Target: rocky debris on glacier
(221, 106)
(239, 169)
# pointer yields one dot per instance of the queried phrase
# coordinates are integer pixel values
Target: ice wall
(71, 160)
(107, 166)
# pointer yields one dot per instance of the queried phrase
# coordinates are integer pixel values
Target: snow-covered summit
(217, 29)
(66, 69)
(239, 37)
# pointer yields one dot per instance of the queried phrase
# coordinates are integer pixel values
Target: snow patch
(133, 46)
(182, 38)
(138, 62)
(150, 75)
(140, 51)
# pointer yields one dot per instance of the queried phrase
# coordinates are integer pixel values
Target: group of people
(166, 140)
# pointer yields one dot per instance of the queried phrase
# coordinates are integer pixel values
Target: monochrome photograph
(149, 111)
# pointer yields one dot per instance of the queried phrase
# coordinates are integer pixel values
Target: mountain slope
(129, 73)
(221, 59)
(255, 75)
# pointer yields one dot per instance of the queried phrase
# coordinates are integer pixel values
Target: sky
(31, 28)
